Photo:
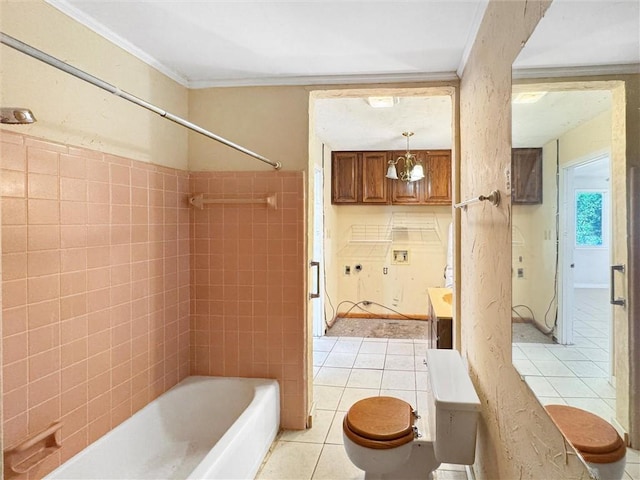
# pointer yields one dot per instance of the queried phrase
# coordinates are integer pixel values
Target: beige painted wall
(71, 111)
(516, 437)
(404, 287)
(271, 121)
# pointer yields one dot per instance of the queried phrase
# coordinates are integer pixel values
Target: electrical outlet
(385, 270)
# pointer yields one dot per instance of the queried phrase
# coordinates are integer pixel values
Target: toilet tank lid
(450, 382)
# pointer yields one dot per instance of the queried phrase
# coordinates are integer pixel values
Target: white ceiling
(264, 42)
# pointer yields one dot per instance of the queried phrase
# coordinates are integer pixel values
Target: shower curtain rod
(82, 75)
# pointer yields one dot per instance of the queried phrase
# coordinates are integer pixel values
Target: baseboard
(517, 319)
(621, 431)
(385, 316)
(470, 473)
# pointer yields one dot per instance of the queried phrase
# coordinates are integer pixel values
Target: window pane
(588, 219)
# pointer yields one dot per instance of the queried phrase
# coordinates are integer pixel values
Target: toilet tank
(454, 408)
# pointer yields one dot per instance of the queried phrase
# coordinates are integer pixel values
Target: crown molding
(93, 25)
(584, 71)
(473, 33)
(327, 80)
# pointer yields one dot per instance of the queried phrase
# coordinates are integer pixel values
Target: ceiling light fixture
(412, 168)
(382, 102)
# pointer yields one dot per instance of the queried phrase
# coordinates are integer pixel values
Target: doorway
(587, 317)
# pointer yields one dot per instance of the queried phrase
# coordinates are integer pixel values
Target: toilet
(382, 435)
(593, 438)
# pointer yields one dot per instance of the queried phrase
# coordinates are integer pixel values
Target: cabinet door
(374, 181)
(405, 193)
(526, 175)
(437, 189)
(345, 177)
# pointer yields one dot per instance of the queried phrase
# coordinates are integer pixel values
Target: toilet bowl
(378, 432)
(381, 436)
(593, 438)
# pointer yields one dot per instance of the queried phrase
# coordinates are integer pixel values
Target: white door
(567, 215)
(317, 270)
(586, 255)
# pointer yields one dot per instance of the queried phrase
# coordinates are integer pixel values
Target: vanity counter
(441, 317)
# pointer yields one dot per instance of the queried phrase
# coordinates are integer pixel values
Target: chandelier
(412, 168)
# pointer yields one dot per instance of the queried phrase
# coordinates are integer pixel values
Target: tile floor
(347, 369)
(577, 374)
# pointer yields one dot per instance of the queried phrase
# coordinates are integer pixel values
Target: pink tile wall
(95, 262)
(247, 284)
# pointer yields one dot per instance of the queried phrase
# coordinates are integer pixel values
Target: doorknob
(572, 265)
(613, 300)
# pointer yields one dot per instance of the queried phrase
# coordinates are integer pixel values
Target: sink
(447, 298)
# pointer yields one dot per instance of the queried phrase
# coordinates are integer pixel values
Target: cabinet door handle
(317, 293)
(613, 300)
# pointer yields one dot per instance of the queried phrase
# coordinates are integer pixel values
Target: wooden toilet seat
(379, 423)
(593, 437)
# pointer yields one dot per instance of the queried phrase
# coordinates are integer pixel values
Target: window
(589, 218)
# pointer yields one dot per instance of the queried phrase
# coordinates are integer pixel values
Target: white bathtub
(204, 427)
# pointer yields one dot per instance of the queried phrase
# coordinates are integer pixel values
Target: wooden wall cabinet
(375, 188)
(526, 176)
(345, 177)
(360, 178)
(437, 184)
(434, 189)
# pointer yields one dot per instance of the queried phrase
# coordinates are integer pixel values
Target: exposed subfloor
(524, 332)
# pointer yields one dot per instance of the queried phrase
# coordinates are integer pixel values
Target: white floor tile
(571, 387)
(319, 358)
(568, 353)
(552, 368)
(420, 348)
(400, 362)
(449, 475)
(335, 431)
(422, 381)
(335, 465)
(540, 386)
(400, 349)
(517, 353)
(365, 378)
(585, 369)
(347, 346)
(324, 344)
(408, 396)
(373, 347)
(594, 354)
(322, 420)
(339, 359)
(398, 380)
(332, 376)
(369, 360)
(352, 395)
(525, 367)
(535, 351)
(326, 397)
(291, 461)
(551, 400)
